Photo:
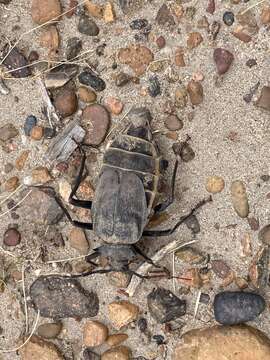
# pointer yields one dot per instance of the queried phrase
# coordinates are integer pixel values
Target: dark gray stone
(87, 26)
(90, 79)
(74, 46)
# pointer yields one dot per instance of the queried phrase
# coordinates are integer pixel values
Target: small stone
(164, 16)
(223, 59)
(265, 177)
(253, 223)
(241, 35)
(88, 354)
(116, 339)
(11, 184)
(115, 106)
(204, 299)
(259, 269)
(109, 13)
(194, 40)
(138, 24)
(264, 235)
(96, 120)
(181, 97)
(94, 333)
(211, 7)
(66, 102)
(78, 240)
(88, 78)
(195, 91)
(87, 26)
(58, 297)
(119, 279)
(190, 12)
(164, 306)
(87, 95)
(203, 23)
(232, 308)
(21, 160)
(248, 20)
(37, 132)
(33, 56)
(94, 10)
(228, 18)
(264, 99)
(241, 283)
(251, 62)
(220, 268)
(190, 256)
(16, 62)
(74, 46)
(43, 11)
(193, 224)
(142, 325)
(173, 123)
(30, 122)
(50, 330)
(8, 168)
(121, 313)
(191, 278)
(187, 154)
(38, 349)
(82, 266)
(40, 175)
(154, 86)
(215, 184)
(8, 132)
(117, 353)
(138, 57)
(246, 245)
(12, 237)
(214, 29)
(265, 15)
(49, 133)
(161, 42)
(179, 59)
(197, 76)
(122, 79)
(49, 38)
(239, 198)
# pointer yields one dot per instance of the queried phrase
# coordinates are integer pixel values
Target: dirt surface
(230, 139)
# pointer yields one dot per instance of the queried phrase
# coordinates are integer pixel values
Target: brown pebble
(215, 184)
(211, 7)
(45, 10)
(96, 121)
(121, 313)
(138, 57)
(161, 42)
(194, 40)
(195, 91)
(119, 279)
(21, 159)
(49, 38)
(241, 35)
(253, 223)
(115, 106)
(39, 349)
(50, 330)
(181, 97)
(11, 184)
(264, 99)
(78, 240)
(109, 13)
(223, 59)
(265, 15)
(220, 268)
(173, 123)
(264, 235)
(37, 132)
(87, 95)
(66, 102)
(241, 283)
(117, 353)
(33, 56)
(94, 10)
(239, 198)
(12, 237)
(179, 59)
(116, 339)
(94, 333)
(41, 175)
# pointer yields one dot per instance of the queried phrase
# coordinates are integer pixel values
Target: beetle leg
(180, 222)
(145, 257)
(161, 207)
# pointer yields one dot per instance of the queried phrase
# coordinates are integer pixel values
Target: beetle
(126, 195)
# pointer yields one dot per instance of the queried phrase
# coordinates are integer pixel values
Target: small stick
(145, 267)
(197, 304)
(25, 301)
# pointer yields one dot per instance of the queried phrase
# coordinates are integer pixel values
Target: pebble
(211, 343)
(253, 223)
(215, 184)
(161, 42)
(204, 299)
(38, 349)
(87, 26)
(96, 120)
(118, 353)
(264, 235)
(181, 97)
(194, 40)
(94, 10)
(116, 339)
(8, 168)
(8, 132)
(40, 175)
(232, 308)
(33, 56)
(78, 240)
(138, 24)
(82, 266)
(109, 13)
(264, 99)
(138, 57)
(57, 297)
(21, 160)
(119, 279)
(50, 330)
(251, 62)
(49, 38)
(122, 79)
(228, 18)
(173, 123)
(12, 237)
(94, 333)
(223, 60)
(142, 325)
(220, 268)
(154, 86)
(265, 15)
(241, 35)
(265, 177)
(259, 268)
(29, 123)
(88, 354)
(190, 256)
(16, 60)
(49, 132)
(164, 306)
(11, 184)
(88, 78)
(121, 313)
(211, 7)
(66, 102)
(195, 92)
(74, 46)
(187, 154)
(159, 339)
(87, 95)
(43, 11)
(114, 105)
(239, 198)
(37, 132)
(164, 16)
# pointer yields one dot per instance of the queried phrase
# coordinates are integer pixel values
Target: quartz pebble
(239, 198)
(122, 313)
(215, 184)
(195, 91)
(94, 333)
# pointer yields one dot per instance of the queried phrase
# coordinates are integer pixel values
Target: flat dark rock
(16, 63)
(90, 79)
(237, 307)
(164, 306)
(58, 297)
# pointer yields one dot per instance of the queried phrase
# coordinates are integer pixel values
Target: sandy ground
(222, 111)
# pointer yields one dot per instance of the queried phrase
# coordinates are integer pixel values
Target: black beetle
(126, 195)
